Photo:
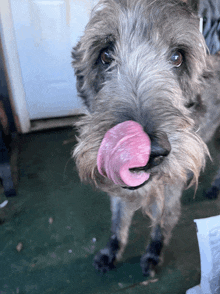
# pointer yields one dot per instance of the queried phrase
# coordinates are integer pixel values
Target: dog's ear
(78, 65)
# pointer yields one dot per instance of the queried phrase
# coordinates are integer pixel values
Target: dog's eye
(106, 57)
(177, 58)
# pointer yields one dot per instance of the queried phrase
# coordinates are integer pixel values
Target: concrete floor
(60, 224)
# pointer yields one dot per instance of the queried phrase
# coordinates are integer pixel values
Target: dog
(153, 102)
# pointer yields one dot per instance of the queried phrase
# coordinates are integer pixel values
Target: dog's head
(142, 61)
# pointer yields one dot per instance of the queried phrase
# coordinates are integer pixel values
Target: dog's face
(145, 34)
(143, 61)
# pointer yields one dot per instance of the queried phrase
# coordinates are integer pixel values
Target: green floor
(62, 223)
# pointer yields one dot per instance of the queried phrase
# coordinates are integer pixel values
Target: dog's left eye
(177, 58)
(106, 57)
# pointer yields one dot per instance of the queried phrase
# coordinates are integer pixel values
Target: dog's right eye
(177, 58)
(106, 57)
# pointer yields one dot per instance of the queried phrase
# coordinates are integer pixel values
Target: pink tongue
(125, 146)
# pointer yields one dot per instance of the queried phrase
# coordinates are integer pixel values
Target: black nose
(160, 148)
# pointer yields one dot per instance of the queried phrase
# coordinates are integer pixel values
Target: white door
(45, 32)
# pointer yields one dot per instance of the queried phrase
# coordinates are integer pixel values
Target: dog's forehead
(144, 18)
(139, 30)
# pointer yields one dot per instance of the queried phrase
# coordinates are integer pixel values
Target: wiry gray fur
(180, 104)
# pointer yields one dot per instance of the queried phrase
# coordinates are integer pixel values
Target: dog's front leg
(122, 213)
(165, 218)
(152, 255)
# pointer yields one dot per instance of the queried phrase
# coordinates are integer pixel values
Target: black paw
(148, 263)
(212, 193)
(152, 256)
(104, 260)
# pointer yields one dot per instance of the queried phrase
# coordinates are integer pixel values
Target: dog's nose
(160, 148)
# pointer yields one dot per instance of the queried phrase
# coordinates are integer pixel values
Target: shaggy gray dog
(152, 92)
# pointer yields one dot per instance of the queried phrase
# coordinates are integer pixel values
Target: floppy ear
(78, 65)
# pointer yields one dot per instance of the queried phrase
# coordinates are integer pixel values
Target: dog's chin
(138, 187)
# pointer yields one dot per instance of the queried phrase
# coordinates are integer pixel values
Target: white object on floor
(195, 290)
(208, 235)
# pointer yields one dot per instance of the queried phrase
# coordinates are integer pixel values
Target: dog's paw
(152, 256)
(148, 263)
(212, 193)
(104, 260)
